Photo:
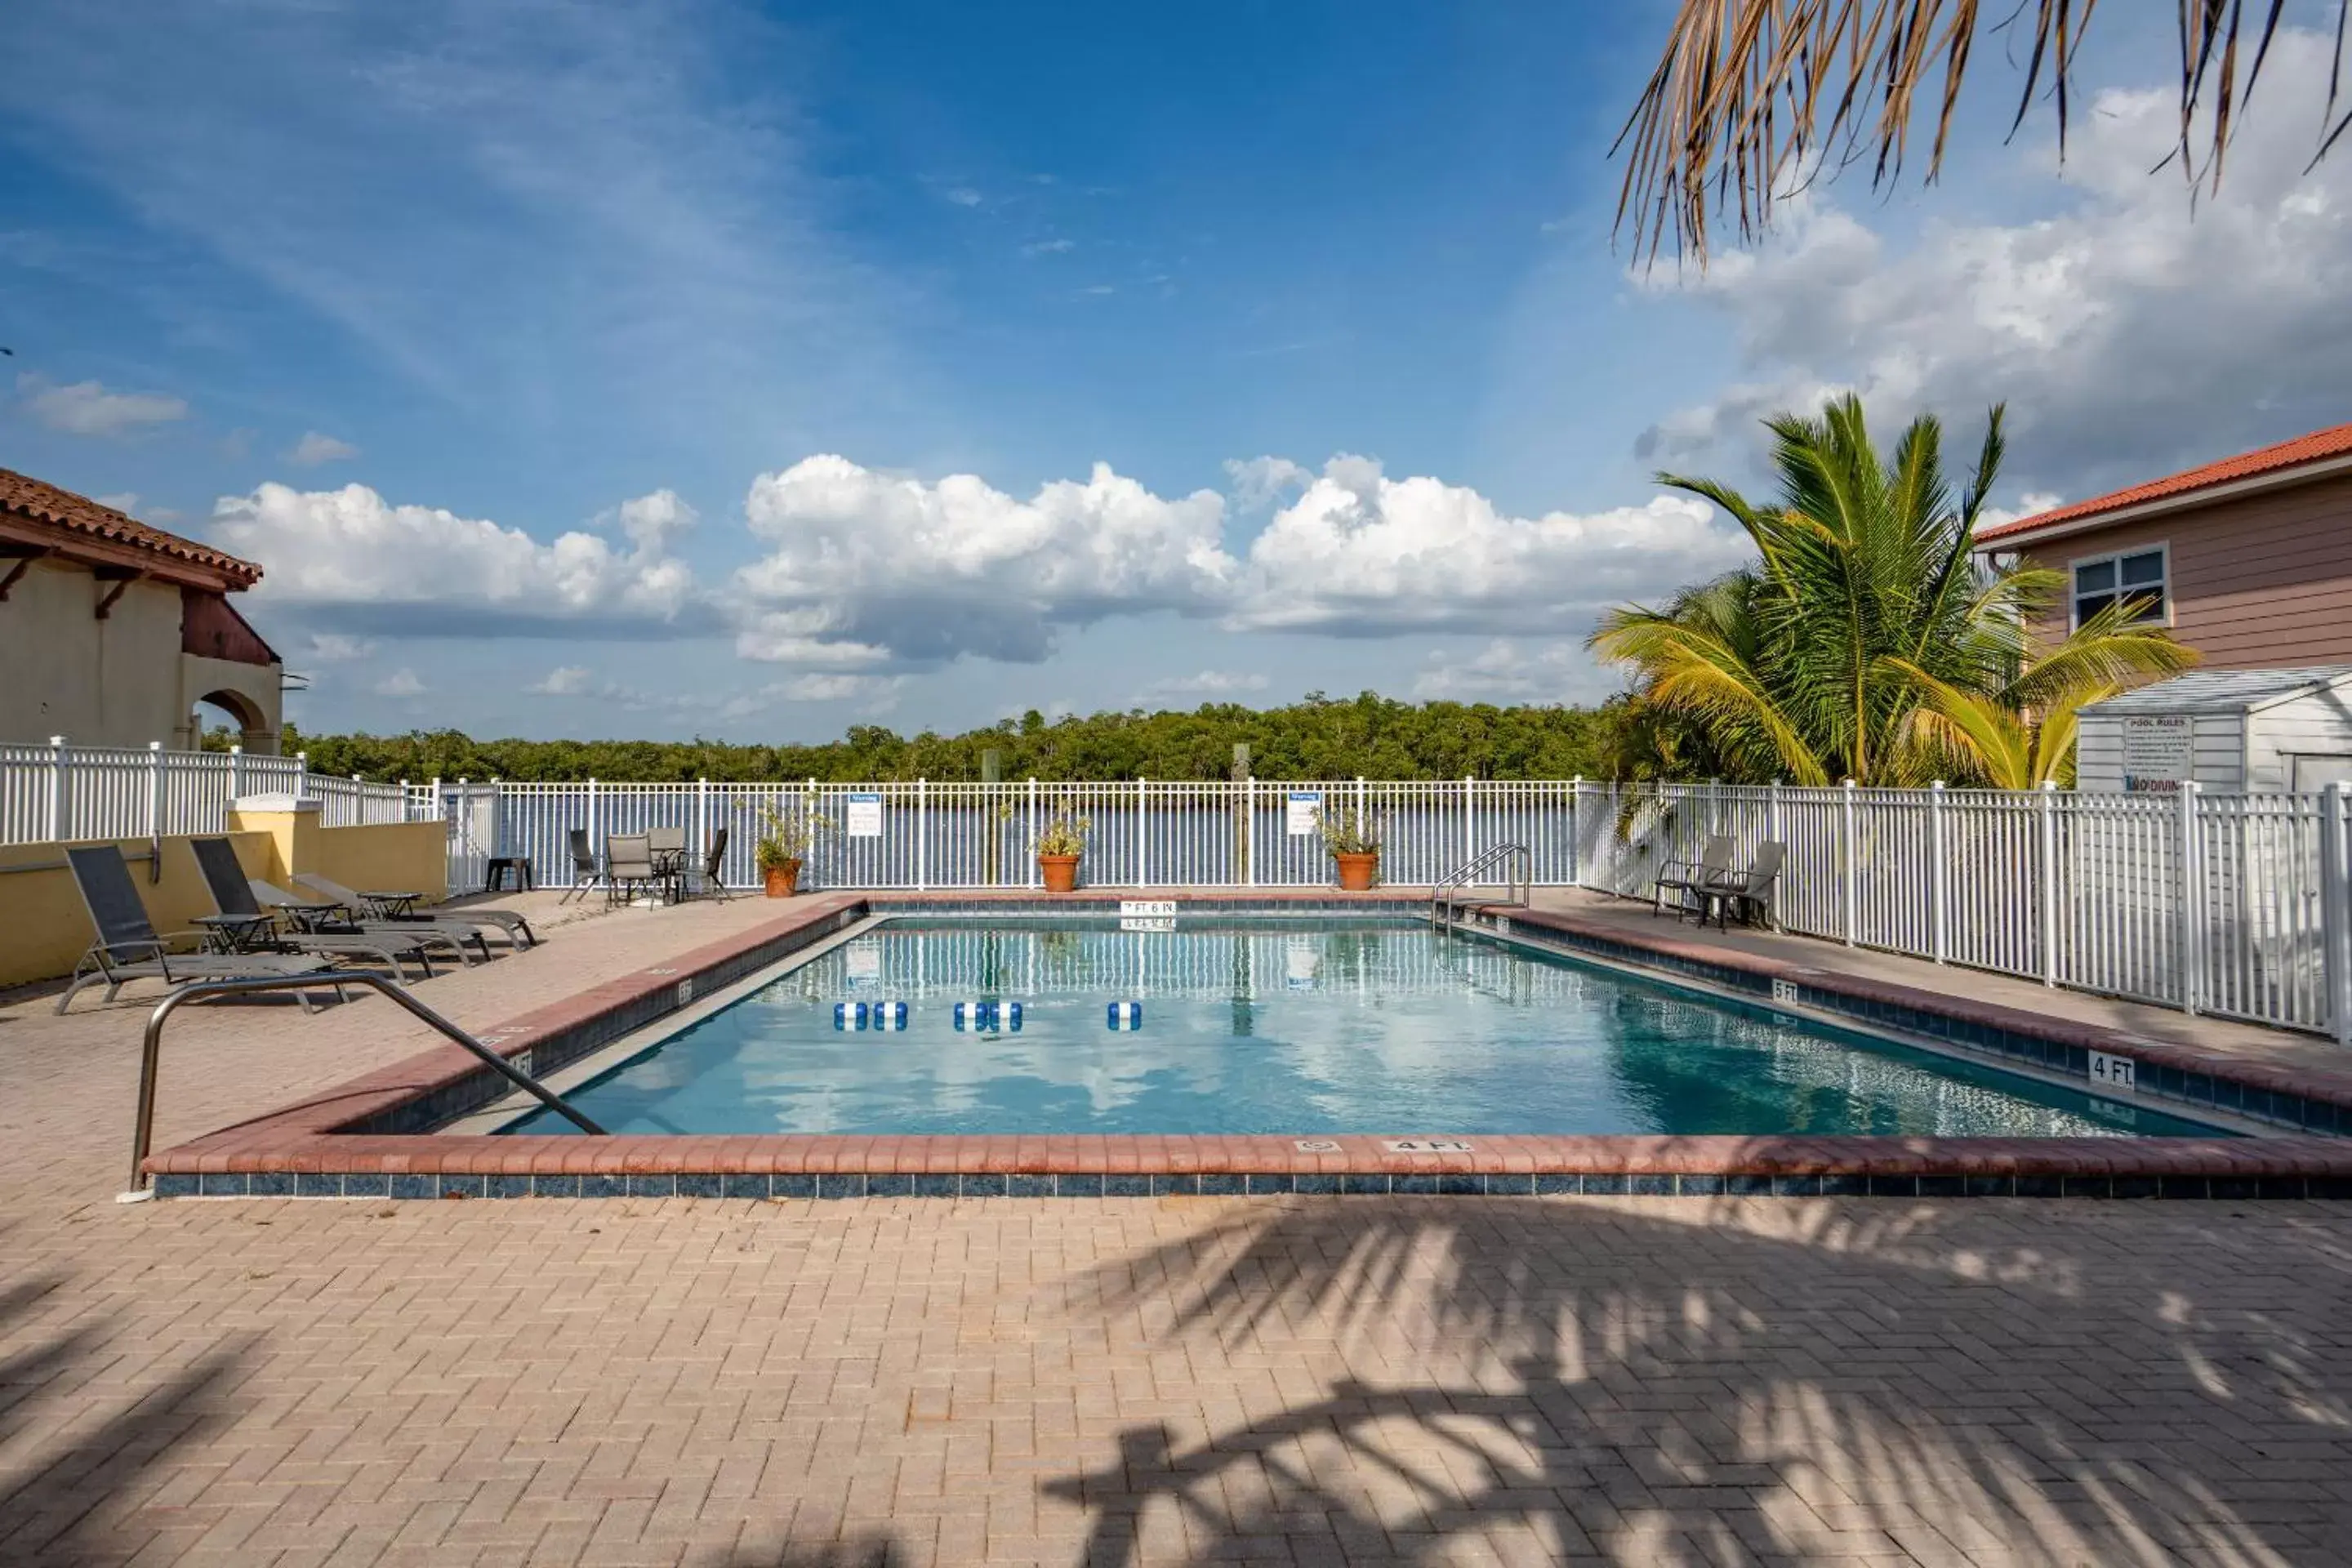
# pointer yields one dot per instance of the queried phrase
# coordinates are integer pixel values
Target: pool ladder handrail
(143, 1132)
(1443, 902)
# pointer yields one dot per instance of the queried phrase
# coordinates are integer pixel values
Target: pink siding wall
(2264, 582)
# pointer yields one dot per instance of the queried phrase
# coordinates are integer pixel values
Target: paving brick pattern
(1157, 1381)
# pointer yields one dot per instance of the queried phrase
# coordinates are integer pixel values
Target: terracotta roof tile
(2334, 442)
(22, 496)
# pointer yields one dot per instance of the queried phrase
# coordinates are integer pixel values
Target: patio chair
(713, 859)
(244, 923)
(380, 907)
(628, 866)
(1749, 892)
(585, 871)
(1690, 881)
(667, 848)
(128, 947)
(319, 915)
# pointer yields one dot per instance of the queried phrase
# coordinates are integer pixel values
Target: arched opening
(225, 718)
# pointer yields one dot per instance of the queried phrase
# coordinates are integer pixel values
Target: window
(2138, 576)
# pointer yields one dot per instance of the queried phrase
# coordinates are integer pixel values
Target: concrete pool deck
(1628, 1380)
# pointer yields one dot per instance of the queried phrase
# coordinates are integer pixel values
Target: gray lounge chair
(585, 872)
(1691, 880)
(128, 947)
(319, 916)
(1748, 893)
(666, 846)
(233, 896)
(713, 860)
(374, 907)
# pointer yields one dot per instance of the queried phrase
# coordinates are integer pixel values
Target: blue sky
(600, 369)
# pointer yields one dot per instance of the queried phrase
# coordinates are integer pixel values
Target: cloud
(963, 196)
(651, 523)
(876, 694)
(1049, 248)
(1360, 554)
(335, 647)
(1505, 671)
(871, 572)
(1207, 683)
(1100, 288)
(862, 565)
(1259, 482)
(128, 502)
(314, 448)
(87, 408)
(568, 680)
(420, 570)
(401, 683)
(2129, 333)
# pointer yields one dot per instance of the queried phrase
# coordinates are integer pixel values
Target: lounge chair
(1748, 893)
(244, 923)
(585, 871)
(378, 907)
(320, 916)
(128, 947)
(713, 859)
(628, 866)
(1690, 882)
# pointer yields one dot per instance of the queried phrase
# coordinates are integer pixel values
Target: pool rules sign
(2159, 753)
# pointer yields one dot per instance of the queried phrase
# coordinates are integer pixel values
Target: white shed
(2251, 731)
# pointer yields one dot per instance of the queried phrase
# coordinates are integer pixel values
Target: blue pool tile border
(412, 1187)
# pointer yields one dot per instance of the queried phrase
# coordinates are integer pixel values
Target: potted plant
(1060, 843)
(783, 844)
(1353, 839)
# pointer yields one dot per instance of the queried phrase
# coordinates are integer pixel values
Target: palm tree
(1868, 642)
(1752, 96)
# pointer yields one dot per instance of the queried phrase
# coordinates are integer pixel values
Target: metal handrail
(1442, 903)
(142, 1134)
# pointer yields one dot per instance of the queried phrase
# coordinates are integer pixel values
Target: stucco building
(112, 632)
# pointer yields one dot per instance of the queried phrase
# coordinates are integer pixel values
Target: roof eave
(2278, 478)
(94, 549)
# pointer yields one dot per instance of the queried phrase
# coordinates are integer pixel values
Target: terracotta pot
(1060, 871)
(782, 881)
(1357, 872)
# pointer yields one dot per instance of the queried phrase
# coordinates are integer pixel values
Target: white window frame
(2074, 595)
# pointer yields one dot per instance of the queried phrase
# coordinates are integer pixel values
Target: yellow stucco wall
(44, 929)
(47, 929)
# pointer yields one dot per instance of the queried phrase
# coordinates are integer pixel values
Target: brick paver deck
(1628, 1380)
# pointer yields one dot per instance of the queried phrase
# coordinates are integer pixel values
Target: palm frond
(1753, 99)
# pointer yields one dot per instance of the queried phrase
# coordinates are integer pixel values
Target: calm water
(1292, 1028)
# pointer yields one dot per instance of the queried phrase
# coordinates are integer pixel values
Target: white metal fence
(2229, 904)
(62, 792)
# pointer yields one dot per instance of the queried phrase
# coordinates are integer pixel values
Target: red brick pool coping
(311, 1145)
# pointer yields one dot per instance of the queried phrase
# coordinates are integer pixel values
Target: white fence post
(1142, 839)
(1032, 853)
(57, 802)
(701, 818)
(2046, 814)
(236, 773)
(2192, 954)
(1576, 831)
(922, 854)
(2334, 916)
(155, 790)
(1938, 888)
(1848, 859)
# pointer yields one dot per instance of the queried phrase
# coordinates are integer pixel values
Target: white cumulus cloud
(401, 683)
(2130, 334)
(1507, 672)
(87, 408)
(420, 569)
(1208, 683)
(314, 448)
(565, 680)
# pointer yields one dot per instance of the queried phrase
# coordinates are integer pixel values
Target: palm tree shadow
(56, 1517)
(1697, 1385)
(876, 1550)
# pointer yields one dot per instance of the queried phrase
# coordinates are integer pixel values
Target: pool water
(1285, 1027)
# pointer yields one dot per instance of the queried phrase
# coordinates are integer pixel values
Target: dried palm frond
(1754, 98)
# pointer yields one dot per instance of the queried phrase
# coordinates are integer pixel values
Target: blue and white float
(888, 1016)
(1125, 1015)
(982, 1017)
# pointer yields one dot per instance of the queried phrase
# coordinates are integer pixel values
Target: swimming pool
(942, 1025)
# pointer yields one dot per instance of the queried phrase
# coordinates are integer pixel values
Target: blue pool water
(1291, 1027)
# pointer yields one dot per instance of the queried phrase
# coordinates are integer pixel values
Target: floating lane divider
(886, 1016)
(1125, 1015)
(979, 1017)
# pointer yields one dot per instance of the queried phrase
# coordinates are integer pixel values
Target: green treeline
(1320, 737)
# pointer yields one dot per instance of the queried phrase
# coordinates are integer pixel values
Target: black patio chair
(585, 871)
(1748, 893)
(244, 923)
(713, 859)
(1691, 880)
